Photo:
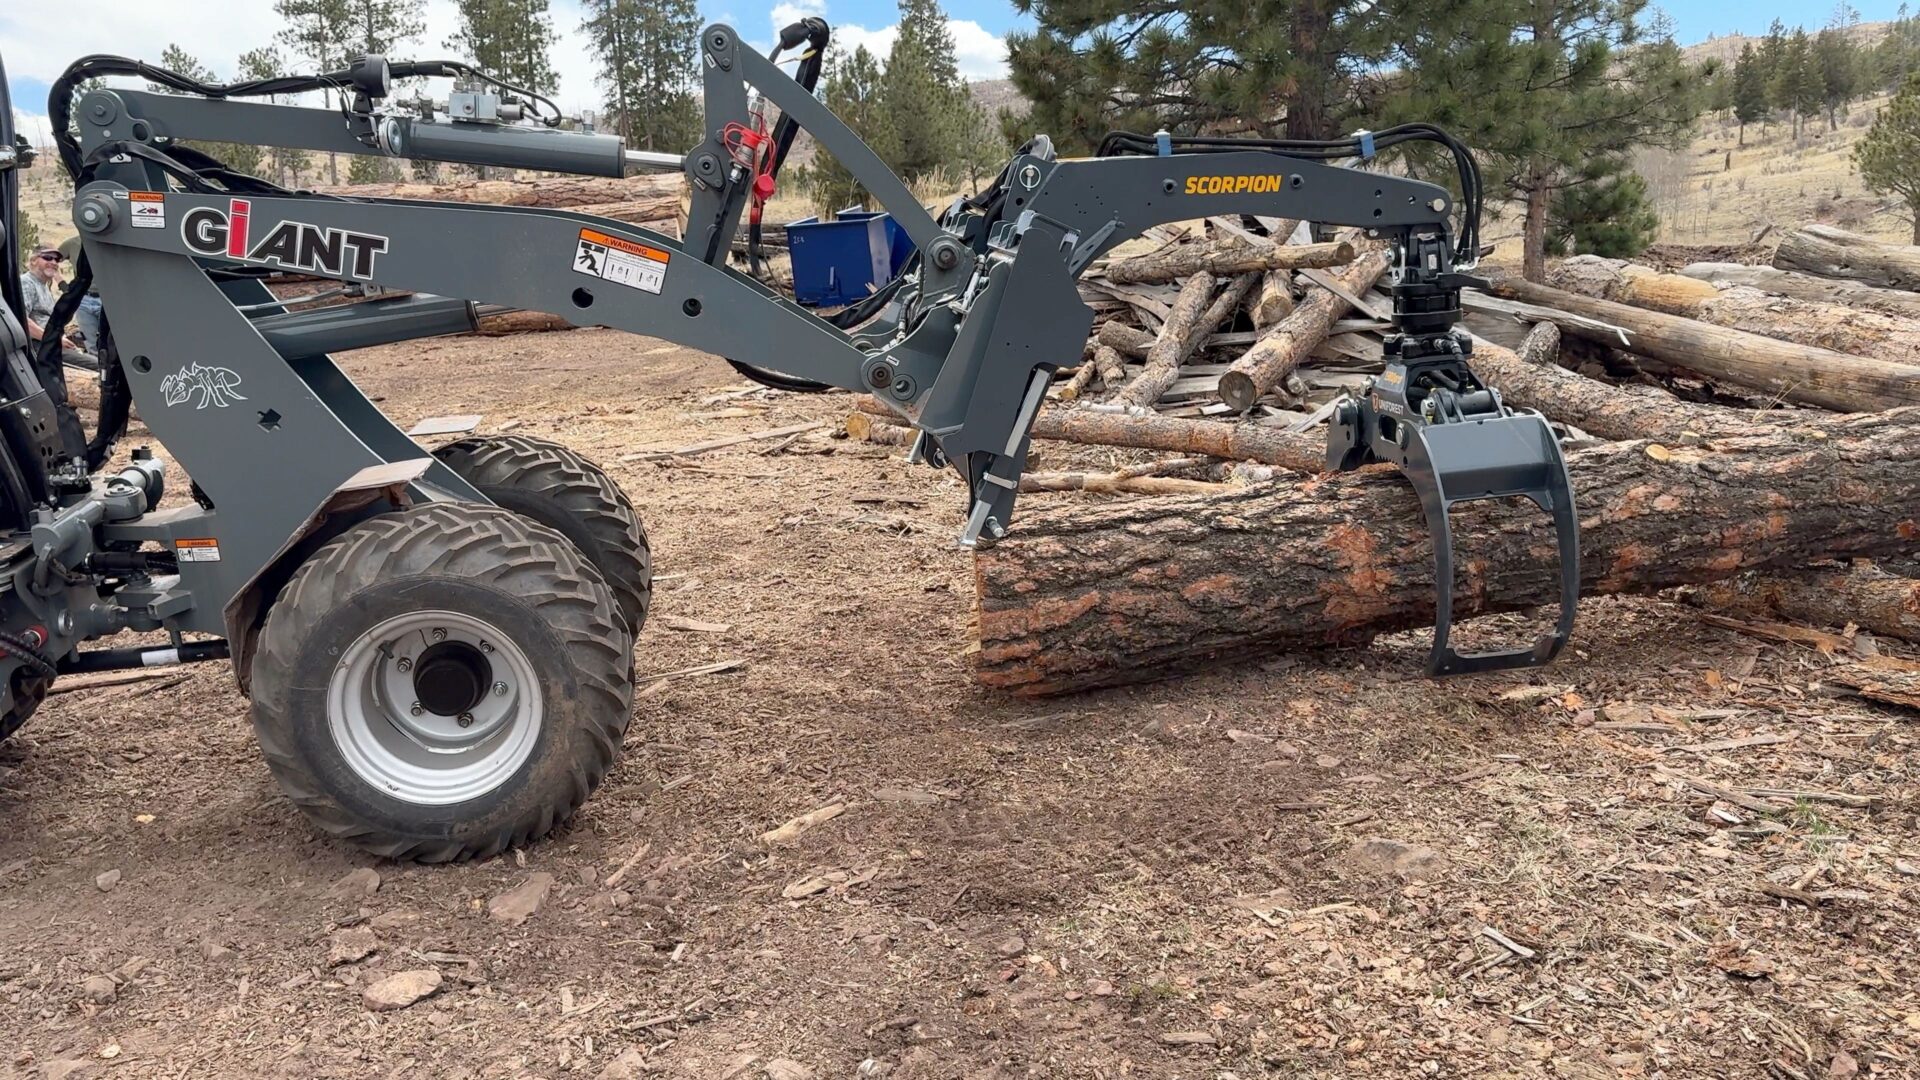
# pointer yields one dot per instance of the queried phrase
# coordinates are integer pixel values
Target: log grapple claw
(1456, 442)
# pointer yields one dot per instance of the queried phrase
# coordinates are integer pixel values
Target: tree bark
(1808, 287)
(1090, 596)
(1541, 346)
(1863, 595)
(1126, 340)
(1106, 365)
(1806, 322)
(1533, 242)
(1168, 353)
(1183, 260)
(1837, 253)
(1233, 442)
(1275, 299)
(1794, 372)
(1282, 348)
(554, 193)
(521, 322)
(1170, 348)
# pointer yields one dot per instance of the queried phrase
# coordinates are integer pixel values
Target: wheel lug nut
(417, 709)
(500, 688)
(404, 664)
(439, 634)
(465, 719)
(485, 647)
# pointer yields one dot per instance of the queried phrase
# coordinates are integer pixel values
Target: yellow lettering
(1193, 185)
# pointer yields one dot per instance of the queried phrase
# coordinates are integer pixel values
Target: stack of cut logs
(1225, 344)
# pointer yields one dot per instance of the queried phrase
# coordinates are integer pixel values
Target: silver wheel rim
(412, 753)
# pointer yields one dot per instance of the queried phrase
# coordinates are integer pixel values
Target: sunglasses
(48, 258)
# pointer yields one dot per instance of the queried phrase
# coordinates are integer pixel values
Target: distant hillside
(1727, 49)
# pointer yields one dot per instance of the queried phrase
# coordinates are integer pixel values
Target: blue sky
(38, 39)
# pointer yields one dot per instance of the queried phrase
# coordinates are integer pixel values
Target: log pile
(1230, 362)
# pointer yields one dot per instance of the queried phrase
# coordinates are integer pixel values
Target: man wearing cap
(40, 288)
(87, 315)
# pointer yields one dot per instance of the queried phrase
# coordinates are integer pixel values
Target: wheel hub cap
(434, 707)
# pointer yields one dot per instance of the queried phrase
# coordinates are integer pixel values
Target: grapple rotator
(1456, 442)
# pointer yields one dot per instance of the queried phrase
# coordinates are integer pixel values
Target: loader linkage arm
(963, 344)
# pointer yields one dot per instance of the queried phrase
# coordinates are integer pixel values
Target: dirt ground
(1309, 867)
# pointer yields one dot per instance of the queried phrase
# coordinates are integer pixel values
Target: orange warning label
(628, 246)
(622, 262)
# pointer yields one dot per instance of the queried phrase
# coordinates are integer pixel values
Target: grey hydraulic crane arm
(963, 345)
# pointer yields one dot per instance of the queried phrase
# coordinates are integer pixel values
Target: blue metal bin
(839, 262)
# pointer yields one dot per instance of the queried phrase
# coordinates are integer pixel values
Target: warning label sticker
(622, 262)
(149, 209)
(197, 549)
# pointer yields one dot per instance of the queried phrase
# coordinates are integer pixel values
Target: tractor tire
(558, 488)
(443, 683)
(29, 690)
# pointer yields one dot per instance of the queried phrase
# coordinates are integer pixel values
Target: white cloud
(39, 40)
(978, 52)
(34, 126)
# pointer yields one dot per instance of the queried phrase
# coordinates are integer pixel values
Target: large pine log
(1183, 260)
(1795, 372)
(1863, 595)
(554, 193)
(1808, 322)
(1808, 287)
(1233, 442)
(1087, 596)
(1837, 253)
(1282, 347)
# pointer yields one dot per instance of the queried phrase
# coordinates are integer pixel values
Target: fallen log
(1103, 360)
(1275, 299)
(521, 322)
(1792, 371)
(1184, 260)
(1837, 253)
(554, 192)
(1862, 595)
(1808, 287)
(1170, 348)
(1808, 322)
(1541, 345)
(1280, 350)
(1234, 442)
(1163, 361)
(1626, 411)
(1091, 596)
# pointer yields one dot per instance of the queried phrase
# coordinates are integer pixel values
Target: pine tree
(926, 100)
(1771, 56)
(1749, 90)
(1606, 214)
(379, 27)
(240, 157)
(1796, 88)
(1837, 66)
(1885, 156)
(317, 32)
(983, 147)
(1543, 89)
(1263, 67)
(26, 236)
(266, 63)
(851, 88)
(512, 39)
(648, 65)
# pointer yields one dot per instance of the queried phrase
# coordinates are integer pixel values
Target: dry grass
(1717, 192)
